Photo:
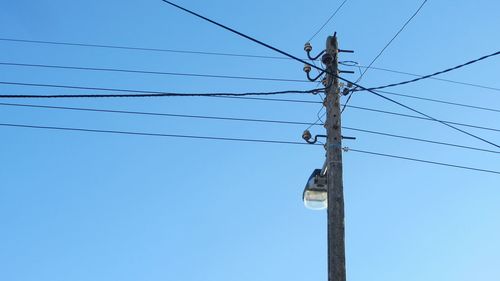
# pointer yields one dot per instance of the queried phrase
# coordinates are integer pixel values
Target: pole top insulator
(307, 68)
(307, 47)
(306, 135)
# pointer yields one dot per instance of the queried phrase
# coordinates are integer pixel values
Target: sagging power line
(239, 119)
(74, 129)
(327, 72)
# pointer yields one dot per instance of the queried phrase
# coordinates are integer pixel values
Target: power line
(428, 116)
(150, 134)
(145, 93)
(424, 161)
(393, 38)
(327, 21)
(219, 54)
(419, 139)
(234, 139)
(353, 63)
(442, 101)
(137, 93)
(433, 74)
(235, 119)
(384, 48)
(326, 71)
(150, 72)
(421, 118)
(224, 76)
(219, 76)
(139, 48)
(366, 109)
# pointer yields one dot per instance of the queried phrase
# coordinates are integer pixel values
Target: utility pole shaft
(336, 233)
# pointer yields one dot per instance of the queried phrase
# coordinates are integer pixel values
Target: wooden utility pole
(336, 233)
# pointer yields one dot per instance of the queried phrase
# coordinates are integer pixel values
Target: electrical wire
(348, 63)
(139, 48)
(136, 93)
(383, 49)
(222, 76)
(428, 116)
(142, 113)
(419, 139)
(421, 118)
(433, 74)
(424, 161)
(150, 72)
(329, 72)
(235, 139)
(144, 93)
(219, 54)
(327, 21)
(392, 39)
(442, 101)
(151, 134)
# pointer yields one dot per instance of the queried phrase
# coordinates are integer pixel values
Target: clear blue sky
(87, 206)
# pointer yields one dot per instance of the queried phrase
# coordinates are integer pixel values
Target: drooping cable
(433, 74)
(225, 76)
(137, 93)
(353, 63)
(138, 48)
(238, 119)
(333, 74)
(150, 72)
(238, 140)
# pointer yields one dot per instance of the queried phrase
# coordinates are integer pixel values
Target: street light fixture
(315, 193)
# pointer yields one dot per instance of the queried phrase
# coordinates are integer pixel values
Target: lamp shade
(315, 194)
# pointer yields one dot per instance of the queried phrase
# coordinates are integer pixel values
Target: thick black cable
(328, 20)
(235, 119)
(224, 76)
(242, 35)
(433, 74)
(233, 139)
(137, 93)
(424, 161)
(139, 48)
(326, 71)
(352, 63)
(151, 72)
(144, 93)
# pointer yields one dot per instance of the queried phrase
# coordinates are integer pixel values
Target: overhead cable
(433, 74)
(329, 72)
(226, 76)
(353, 63)
(383, 49)
(327, 21)
(150, 72)
(137, 93)
(392, 39)
(238, 140)
(158, 114)
(138, 48)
